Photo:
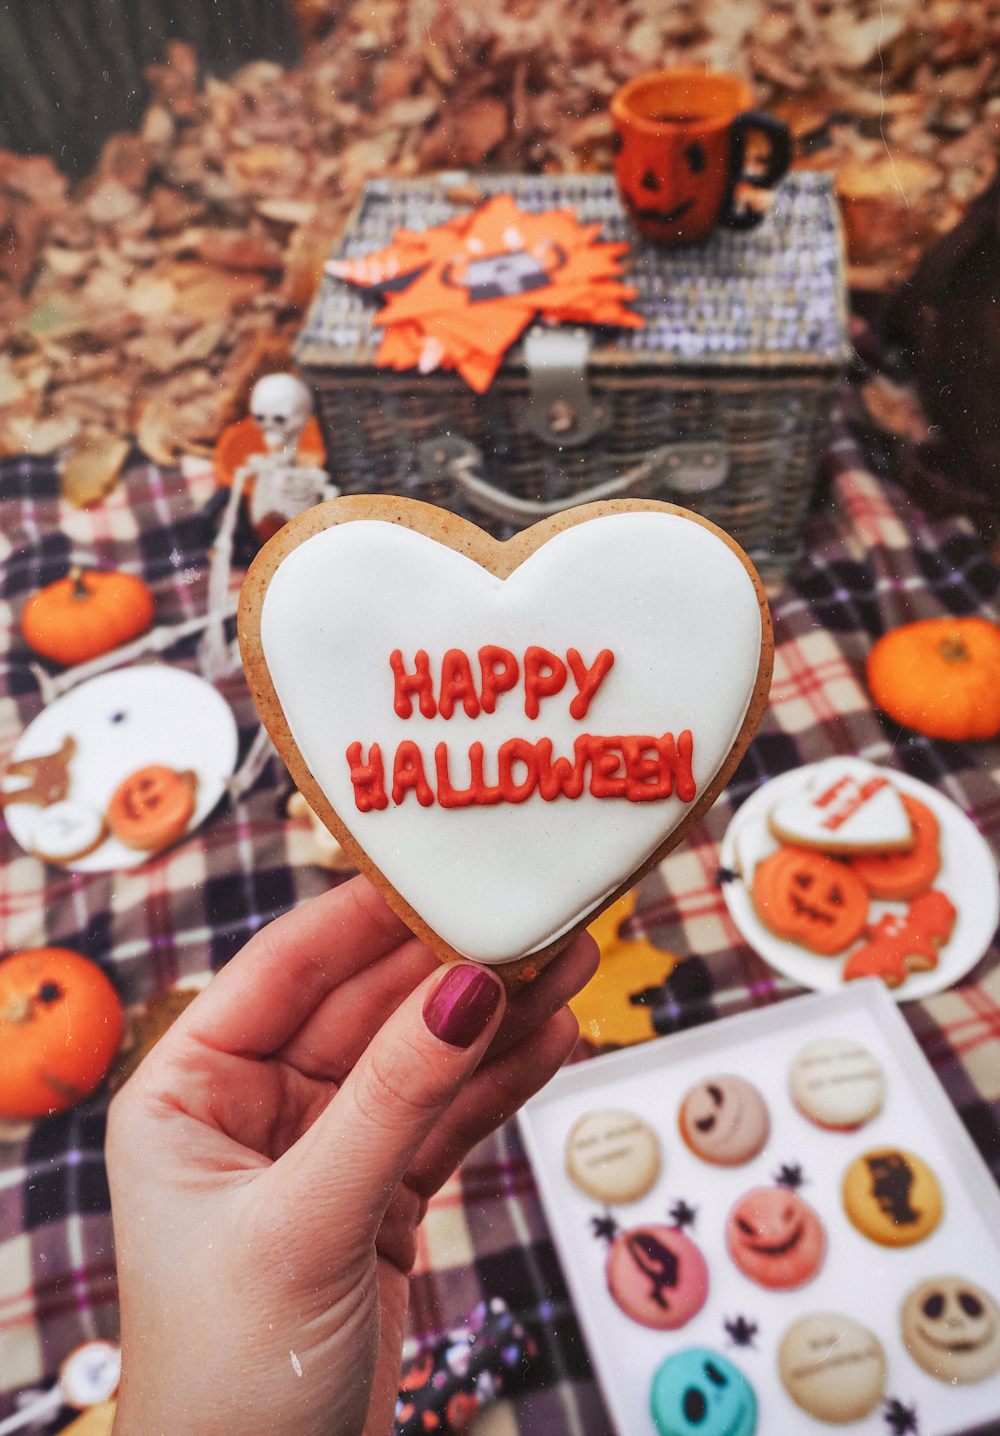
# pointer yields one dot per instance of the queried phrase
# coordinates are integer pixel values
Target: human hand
(272, 1157)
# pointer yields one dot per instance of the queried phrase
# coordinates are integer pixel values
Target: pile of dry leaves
(145, 302)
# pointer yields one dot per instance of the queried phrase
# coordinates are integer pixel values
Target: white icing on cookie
(64, 831)
(670, 600)
(847, 806)
(754, 842)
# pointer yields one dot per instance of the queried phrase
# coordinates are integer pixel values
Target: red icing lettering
(588, 680)
(676, 762)
(407, 683)
(494, 682)
(605, 764)
(639, 769)
(517, 750)
(538, 684)
(407, 773)
(826, 798)
(368, 778)
(853, 800)
(448, 796)
(485, 797)
(562, 776)
(456, 682)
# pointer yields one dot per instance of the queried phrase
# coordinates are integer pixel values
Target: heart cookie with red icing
(504, 736)
(847, 806)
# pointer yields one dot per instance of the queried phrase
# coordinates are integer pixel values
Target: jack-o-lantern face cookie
(152, 807)
(892, 1197)
(810, 899)
(775, 1238)
(724, 1120)
(503, 736)
(951, 1327)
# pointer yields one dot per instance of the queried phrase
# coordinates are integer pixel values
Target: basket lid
(769, 297)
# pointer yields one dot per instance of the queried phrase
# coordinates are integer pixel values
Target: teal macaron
(697, 1392)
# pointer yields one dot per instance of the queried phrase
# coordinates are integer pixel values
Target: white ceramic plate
(123, 721)
(968, 877)
(859, 1278)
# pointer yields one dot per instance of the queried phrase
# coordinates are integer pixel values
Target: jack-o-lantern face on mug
(951, 1328)
(681, 136)
(811, 899)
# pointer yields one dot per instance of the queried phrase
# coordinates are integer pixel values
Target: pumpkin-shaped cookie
(810, 899)
(86, 614)
(940, 676)
(152, 807)
(898, 876)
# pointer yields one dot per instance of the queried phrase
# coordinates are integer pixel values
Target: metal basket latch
(560, 409)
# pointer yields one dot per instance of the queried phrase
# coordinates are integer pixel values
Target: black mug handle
(778, 162)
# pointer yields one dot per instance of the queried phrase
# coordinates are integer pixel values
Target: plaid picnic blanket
(873, 561)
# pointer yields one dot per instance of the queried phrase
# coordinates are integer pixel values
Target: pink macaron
(775, 1238)
(657, 1276)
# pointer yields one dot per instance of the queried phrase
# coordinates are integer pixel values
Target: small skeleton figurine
(283, 488)
(279, 487)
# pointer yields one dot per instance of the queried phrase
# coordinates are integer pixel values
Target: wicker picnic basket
(721, 403)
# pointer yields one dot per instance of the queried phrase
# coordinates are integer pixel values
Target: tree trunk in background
(71, 71)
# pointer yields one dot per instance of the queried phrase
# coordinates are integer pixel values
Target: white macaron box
(626, 1196)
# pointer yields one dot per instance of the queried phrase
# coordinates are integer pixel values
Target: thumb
(361, 1145)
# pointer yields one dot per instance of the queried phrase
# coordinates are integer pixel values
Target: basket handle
(457, 459)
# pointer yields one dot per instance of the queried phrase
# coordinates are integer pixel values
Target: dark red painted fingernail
(461, 1005)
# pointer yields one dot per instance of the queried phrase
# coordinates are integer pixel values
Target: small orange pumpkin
(60, 1026)
(811, 899)
(85, 614)
(940, 676)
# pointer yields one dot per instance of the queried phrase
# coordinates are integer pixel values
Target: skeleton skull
(952, 1329)
(282, 406)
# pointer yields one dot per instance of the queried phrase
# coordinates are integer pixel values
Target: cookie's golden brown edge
(500, 558)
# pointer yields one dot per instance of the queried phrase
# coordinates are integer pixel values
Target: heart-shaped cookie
(504, 736)
(847, 806)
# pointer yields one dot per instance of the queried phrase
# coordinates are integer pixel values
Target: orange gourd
(60, 1026)
(86, 614)
(940, 676)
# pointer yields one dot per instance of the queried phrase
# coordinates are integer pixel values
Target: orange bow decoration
(457, 296)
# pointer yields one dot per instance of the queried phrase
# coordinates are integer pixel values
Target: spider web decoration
(458, 295)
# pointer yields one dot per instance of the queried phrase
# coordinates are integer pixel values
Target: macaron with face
(951, 1328)
(775, 1238)
(724, 1121)
(699, 1393)
(657, 1276)
(832, 1367)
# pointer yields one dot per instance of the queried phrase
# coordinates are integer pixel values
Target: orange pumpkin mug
(682, 137)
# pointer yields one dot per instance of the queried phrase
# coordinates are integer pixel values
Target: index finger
(266, 992)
